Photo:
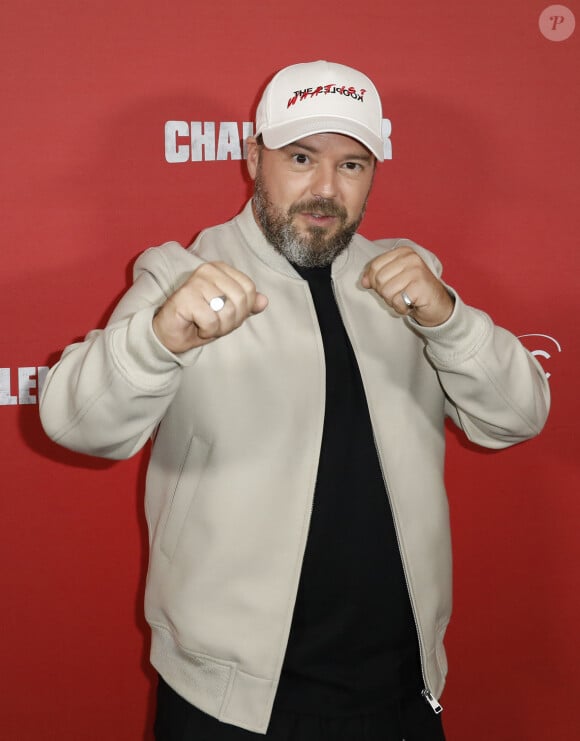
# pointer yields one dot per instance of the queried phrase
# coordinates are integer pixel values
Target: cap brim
(283, 134)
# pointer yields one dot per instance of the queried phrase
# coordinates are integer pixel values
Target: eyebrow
(366, 157)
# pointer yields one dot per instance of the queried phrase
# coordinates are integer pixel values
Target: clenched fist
(186, 319)
(403, 271)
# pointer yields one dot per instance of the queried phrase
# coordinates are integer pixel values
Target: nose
(324, 181)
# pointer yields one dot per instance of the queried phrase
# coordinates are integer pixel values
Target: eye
(353, 166)
(300, 158)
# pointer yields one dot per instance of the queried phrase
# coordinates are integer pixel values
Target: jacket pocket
(186, 486)
(440, 650)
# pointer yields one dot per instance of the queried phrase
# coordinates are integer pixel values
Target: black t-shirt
(353, 644)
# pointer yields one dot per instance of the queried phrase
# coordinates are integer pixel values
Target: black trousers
(408, 720)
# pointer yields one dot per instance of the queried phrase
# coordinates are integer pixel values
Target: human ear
(253, 150)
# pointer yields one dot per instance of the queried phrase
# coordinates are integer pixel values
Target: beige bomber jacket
(237, 428)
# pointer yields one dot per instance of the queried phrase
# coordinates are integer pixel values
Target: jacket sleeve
(496, 391)
(107, 394)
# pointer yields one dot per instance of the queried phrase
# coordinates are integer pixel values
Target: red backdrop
(485, 169)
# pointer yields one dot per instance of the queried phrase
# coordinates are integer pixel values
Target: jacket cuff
(141, 357)
(457, 339)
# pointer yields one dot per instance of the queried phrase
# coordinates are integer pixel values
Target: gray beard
(312, 250)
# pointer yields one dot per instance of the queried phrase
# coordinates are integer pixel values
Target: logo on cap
(330, 89)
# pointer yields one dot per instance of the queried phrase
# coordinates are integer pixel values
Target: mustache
(318, 206)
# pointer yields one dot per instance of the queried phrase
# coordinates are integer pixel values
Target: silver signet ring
(217, 303)
(407, 300)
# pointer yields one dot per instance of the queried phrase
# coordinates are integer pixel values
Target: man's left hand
(401, 273)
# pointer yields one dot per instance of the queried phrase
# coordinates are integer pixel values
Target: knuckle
(204, 269)
(247, 284)
(212, 325)
(203, 274)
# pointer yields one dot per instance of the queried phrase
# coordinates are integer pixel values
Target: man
(295, 378)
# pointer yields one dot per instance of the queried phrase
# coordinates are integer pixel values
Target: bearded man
(295, 378)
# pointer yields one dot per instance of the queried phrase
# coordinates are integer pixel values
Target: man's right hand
(186, 320)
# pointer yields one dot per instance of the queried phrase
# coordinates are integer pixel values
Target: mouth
(318, 219)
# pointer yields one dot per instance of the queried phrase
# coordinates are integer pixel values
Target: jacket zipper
(437, 708)
(425, 692)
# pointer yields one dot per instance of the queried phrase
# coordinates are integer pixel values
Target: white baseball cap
(317, 98)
